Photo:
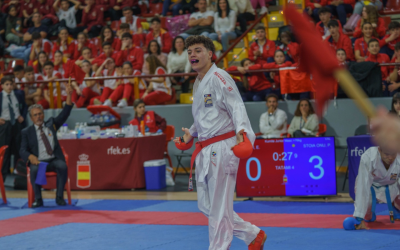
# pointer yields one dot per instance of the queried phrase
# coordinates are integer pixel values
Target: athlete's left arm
(233, 103)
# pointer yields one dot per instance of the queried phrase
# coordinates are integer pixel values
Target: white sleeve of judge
(234, 104)
(264, 126)
(363, 187)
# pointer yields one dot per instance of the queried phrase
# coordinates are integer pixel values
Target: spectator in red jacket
(134, 22)
(137, 39)
(64, 43)
(119, 5)
(313, 7)
(279, 62)
(390, 40)
(395, 58)
(289, 48)
(92, 19)
(60, 64)
(84, 92)
(370, 14)
(375, 56)
(338, 40)
(152, 121)
(86, 56)
(107, 35)
(256, 84)
(107, 68)
(6, 6)
(81, 43)
(341, 56)
(160, 35)
(130, 53)
(262, 50)
(108, 52)
(28, 7)
(361, 44)
(325, 14)
(341, 8)
(39, 44)
(38, 65)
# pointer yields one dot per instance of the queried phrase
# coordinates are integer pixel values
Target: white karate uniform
(372, 172)
(273, 125)
(218, 109)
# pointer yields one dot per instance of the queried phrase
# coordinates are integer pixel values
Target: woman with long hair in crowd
(107, 35)
(64, 43)
(305, 121)
(178, 62)
(370, 15)
(82, 42)
(159, 90)
(60, 63)
(154, 48)
(395, 108)
(39, 64)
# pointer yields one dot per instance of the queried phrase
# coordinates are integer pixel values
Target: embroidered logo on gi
(230, 88)
(220, 77)
(208, 101)
(393, 177)
(214, 158)
(214, 154)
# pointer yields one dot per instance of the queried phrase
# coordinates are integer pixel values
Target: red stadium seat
(154, 9)
(387, 20)
(31, 194)
(163, 23)
(321, 130)
(143, 9)
(2, 189)
(392, 7)
(13, 63)
(169, 132)
(173, 98)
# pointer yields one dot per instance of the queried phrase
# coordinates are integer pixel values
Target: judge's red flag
(74, 71)
(316, 57)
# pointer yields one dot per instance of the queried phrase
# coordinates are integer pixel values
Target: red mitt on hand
(184, 146)
(244, 149)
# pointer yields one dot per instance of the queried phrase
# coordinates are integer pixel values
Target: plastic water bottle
(64, 128)
(93, 118)
(112, 118)
(106, 117)
(76, 126)
(85, 124)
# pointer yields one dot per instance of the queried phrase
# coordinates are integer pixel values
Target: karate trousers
(216, 170)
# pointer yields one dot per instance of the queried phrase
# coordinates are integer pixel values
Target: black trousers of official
(10, 135)
(299, 134)
(242, 18)
(55, 165)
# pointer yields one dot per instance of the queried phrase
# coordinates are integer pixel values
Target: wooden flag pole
(355, 92)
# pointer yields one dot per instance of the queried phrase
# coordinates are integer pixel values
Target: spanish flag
(83, 180)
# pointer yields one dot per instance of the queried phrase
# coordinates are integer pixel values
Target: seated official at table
(305, 121)
(378, 168)
(273, 123)
(395, 104)
(40, 144)
(152, 121)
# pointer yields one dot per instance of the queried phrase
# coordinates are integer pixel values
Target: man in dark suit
(13, 111)
(40, 144)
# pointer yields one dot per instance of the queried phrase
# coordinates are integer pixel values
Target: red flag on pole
(74, 71)
(316, 57)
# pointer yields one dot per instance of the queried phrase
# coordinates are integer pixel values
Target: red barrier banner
(294, 81)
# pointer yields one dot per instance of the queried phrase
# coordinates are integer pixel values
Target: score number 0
(318, 166)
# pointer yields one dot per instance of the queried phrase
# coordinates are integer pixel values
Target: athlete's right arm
(363, 187)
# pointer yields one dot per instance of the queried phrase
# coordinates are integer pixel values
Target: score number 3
(318, 166)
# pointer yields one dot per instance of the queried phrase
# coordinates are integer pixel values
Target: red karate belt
(202, 144)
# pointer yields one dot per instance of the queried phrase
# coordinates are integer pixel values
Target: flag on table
(41, 174)
(294, 81)
(316, 57)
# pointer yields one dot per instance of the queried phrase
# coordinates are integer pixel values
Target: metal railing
(57, 83)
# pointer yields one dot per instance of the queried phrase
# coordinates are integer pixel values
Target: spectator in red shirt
(107, 35)
(279, 62)
(64, 43)
(107, 68)
(341, 8)
(52, 75)
(92, 19)
(313, 7)
(289, 48)
(338, 40)
(86, 56)
(370, 14)
(39, 64)
(81, 43)
(33, 92)
(375, 56)
(138, 39)
(262, 50)
(152, 121)
(39, 44)
(130, 53)
(134, 22)
(256, 84)
(361, 44)
(28, 7)
(60, 64)
(84, 92)
(163, 38)
(108, 52)
(324, 14)
(341, 56)
(119, 5)
(390, 40)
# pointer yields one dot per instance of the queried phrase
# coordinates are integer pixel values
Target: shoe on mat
(258, 243)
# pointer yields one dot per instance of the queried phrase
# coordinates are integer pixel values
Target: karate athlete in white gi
(378, 169)
(218, 111)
